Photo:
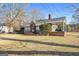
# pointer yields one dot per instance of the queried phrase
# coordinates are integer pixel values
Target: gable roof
(53, 20)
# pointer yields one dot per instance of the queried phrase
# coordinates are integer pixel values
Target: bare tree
(36, 14)
(15, 18)
(75, 18)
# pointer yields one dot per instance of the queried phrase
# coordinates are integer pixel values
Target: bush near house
(72, 27)
(60, 26)
(45, 28)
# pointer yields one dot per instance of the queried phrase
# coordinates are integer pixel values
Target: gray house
(54, 21)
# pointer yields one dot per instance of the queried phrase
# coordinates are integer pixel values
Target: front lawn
(19, 42)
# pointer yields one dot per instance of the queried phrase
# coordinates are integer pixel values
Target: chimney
(49, 17)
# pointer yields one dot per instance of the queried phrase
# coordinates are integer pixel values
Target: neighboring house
(54, 21)
(5, 29)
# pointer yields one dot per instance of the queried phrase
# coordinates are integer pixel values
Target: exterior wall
(54, 27)
(27, 29)
(6, 29)
(37, 28)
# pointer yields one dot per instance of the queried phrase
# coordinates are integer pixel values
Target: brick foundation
(56, 34)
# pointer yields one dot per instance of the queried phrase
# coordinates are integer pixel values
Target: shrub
(45, 28)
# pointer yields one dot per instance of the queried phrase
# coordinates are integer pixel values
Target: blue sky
(55, 9)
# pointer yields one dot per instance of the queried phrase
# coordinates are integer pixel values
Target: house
(33, 26)
(54, 21)
(5, 29)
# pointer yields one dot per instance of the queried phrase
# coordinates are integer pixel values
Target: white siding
(37, 28)
(5, 29)
(54, 27)
(27, 29)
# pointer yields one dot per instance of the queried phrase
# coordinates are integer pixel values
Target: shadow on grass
(43, 53)
(77, 36)
(40, 42)
(40, 52)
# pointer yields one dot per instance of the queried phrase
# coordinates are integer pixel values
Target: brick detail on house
(56, 34)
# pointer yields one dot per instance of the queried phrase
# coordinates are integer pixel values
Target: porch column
(63, 27)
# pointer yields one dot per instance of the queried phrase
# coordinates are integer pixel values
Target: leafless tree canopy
(36, 14)
(16, 16)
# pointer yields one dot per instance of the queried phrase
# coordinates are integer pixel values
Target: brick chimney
(49, 17)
